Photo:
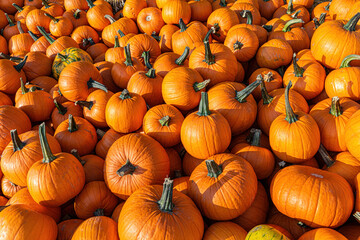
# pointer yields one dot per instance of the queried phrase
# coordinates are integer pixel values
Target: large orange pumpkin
(322, 233)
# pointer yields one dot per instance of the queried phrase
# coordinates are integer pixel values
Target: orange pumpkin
(322, 233)
(107, 139)
(274, 54)
(67, 228)
(224, 230)
(351, 135)
(172, 11)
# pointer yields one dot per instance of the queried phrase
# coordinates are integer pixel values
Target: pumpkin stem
(45, 148)
(291, 117)
(128, 61)
(94, 84)
(303, 225)
(322, 18)
(268, 77)
(45, 34)
(296, 14)
(327, 7)
(75, 153)
(348, 59)
(290, 8)
(77, 14)
(256, 136)
(165, 202)
(316, 22)
(281, 70)
(87, 104)
(55, 20)
(298, 71)
(126, 169)
(125, 94)
(357, 216)
(146, 56)
(290, 23)
(201, 85)
(267, 99)
(156, 37)
(11, 23)
(90, 3)
(248, 15)
(243, 94)
(209, 57)
(22, 87)
(121, 33)
(151, 73)
(325, 156)
(62, 56)
(73, 127)
(117, 43)
(214, 170)
(268, 28)
(45, 3)
(351, 24)
(33, 36)
(100, 133)
(223, 3)
(335, 108)
(3, 207)
(238, 45)
(99, 212)
(17, 143)
(110, 18)
(165, 121)
(62, 110)
(18, 8)
(184, 55)
(21, 64)
(87, 41)
(18, 25)
(182, 25)
(204, 105)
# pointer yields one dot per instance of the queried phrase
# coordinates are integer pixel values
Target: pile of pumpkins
(175, 119)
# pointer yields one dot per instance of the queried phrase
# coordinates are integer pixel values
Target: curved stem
(87, 104)
(327, 7)
(55, 20)
(335, 108)
(214, 170)
(90, 3)
(348, 59)
(126, 169)
(255, 137)
(146, 56)
(204, 105)
(298, 71)
(73, 127)
(151, 73)
(18, 25)
(267, 99)
(48, 157)
(184, 55)
(290, 23)
(291, 117)
(110, 18)
(45, 3)
(77, 14)
(209, 57)
(322, 18)
(61, 109)
(21, 64)
(18, 8)
(17, 143)
(268, 28)
(351, 24)
(75, 153)
(165, 121)
(128, 60)
(121, 33)
(201, 85)
(11, 23)
(22, 87)
(243, 94)
(165, 202)
(33, 36)
(182, 25)
(290, 8)
(125, 94)
(325, 156)
(248, 15)
(45, 34)
(296, 14)
(94, 84)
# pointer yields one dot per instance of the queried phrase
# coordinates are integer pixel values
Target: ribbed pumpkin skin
(274, 53)
(116, 213)
(268, 231)
(224, 230)
(106, 141)
(141, 43)
(67, 228)
(295, 191)
(357, 198)
(189, 163)
(96, 228)
(141, 218)
(352, 131)
(20, 222)
(7, 71)
(8, 188)
(181, 184)
(322, 233)
(143, 152)
(236, 182)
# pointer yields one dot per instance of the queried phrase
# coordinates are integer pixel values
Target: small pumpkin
(96, 15)
(76, 16)
(274, 54)
(62, 111)
(224, 230)
(107, 139)
(322, 233)
(172, 11)
(149, 20)
(67, 228)
(268, 231)
(351, 135)
(36, 18)
(60, 26)
(170, 60)
(85, 36)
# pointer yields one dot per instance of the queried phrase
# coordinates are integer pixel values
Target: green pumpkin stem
(268, 77)
(238, 45)
(291, 117)
(88, 41)
(87, 104)
(325, 156)
(146, 56)
(128, 61)
(180, 61)
(267, 99)
(327, 7)
(19, 66)
(201, 85)
(209, 57)
(76, 154)
(126, 169)
(90, 3)
(165, 202)
(33, 36)
(151, 73)
(346, 62)
(316, 22)
(125, 94)
(73, 127)
(11, 23)
(121, 33)
(17, 143)
(214, 170)
(156, 37)
(204, 105)
(182, 25)
(77, 14)
(55, 20)
(165, 121)
(335, 108)
(357, 216)
(117, 43)
(18, 8)
(223, 3)
(248, 15)
(18, 25)
(288, 25)
(290, 8)
(22, 87)
(94, 84)
(62, 57)
(351, 24)
(243, 94)
(322, 18)
(61, 109)
(303, 225)
(45, 3)
(48, 157)
(296, 14)
(298, 71)
(45, 34)
(110, 18)
(255, 137)
(99, 212)
(268, 28)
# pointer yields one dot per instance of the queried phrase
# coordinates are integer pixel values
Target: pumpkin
(105, 72)
(357, 197)
(268, 7)
(93, 166)
(78, 79)
(12, 29)
(332, 115)
(115, 54)
(160, 207)
(322, 233)
(22, 12)
(212, 129)
(5, 100)
(4, 46)
(149, 20)
(200, 10)
(170, 60)
(116, 213)
(77, 17)
(85, 36)
(272, 80)
(144, 43)
(189, 163)
(54, 9)
(21, 42)
(320, 8)
(223, 19)
(122, 27)
(21, 153)
(95, 15)
(8, 188)
(238, 7)
(165, 36)
(269, 231)
(3, 200)
(33, 69)
(107, 139)
(224, 230)
(274, 54)
(132, 8)
(172, 11)
(40, 43)
(22, 219)
(289, 129)
(67, 228)
(339, 9)
(62, 111)
(10, 73)
(181, 184)
(291, 11)
(37, 18)
(60, 26)
(214, 181)
(351, 137)
(63, 168)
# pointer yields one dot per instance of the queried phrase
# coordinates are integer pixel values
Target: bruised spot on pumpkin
(317, 175)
